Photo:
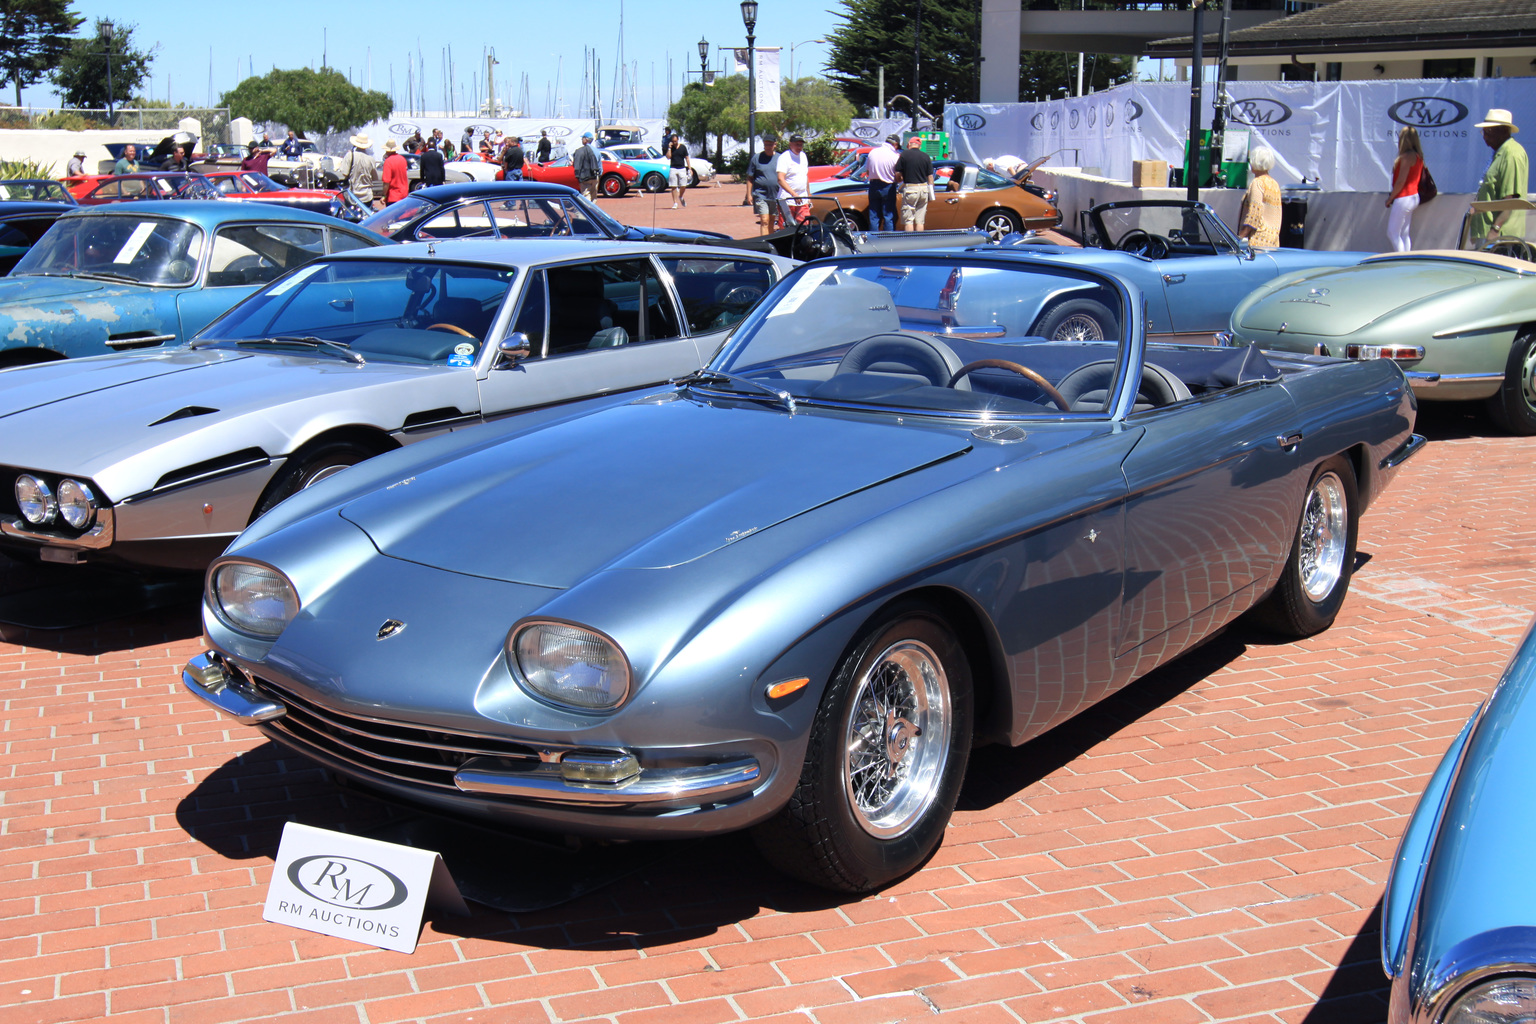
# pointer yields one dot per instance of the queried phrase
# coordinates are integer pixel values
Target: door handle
(341, 305)
(952, 200)
(1173, 278)
(1288, 442)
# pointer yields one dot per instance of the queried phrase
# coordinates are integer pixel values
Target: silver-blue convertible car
(789, 591)
(1458, 921)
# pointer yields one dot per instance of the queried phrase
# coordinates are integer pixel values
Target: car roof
(208, 212)
(32, 207)
(493, 190)
(517, 252)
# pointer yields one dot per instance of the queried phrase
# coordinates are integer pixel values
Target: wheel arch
(28, 356)
(373, 438)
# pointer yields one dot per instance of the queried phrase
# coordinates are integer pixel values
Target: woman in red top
(1404, 199)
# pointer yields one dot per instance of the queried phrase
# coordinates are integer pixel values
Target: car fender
(1269, 287)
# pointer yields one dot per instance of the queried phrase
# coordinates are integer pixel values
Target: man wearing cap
(395, 173)
(76, 165)
(794, 172)
(1507, 177)
(763, 173)
(916, 170)
(880, 169)
(587, 166)
(361, 173)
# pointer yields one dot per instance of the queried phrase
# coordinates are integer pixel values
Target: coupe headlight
(1500, 1001)
(35, 499)
(77, 503)
(252, 598)
(570, 666)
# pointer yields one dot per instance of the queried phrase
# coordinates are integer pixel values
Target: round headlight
(77, 503)
(1500, 1001)
(252, 598)
(35, 500)
(571, 666)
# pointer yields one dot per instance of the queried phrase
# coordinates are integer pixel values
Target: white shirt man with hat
(1508, 177)
(362, 173)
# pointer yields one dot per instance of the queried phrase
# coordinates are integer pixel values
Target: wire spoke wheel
(1078, 327)
(897, 739)
(1324, 537)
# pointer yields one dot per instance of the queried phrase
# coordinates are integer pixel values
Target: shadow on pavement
(1358, 991)
(1455, 421)
(84, 609)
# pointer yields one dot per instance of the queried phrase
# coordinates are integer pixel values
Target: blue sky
(528, 36)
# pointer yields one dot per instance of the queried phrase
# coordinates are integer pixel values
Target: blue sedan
(141, 275)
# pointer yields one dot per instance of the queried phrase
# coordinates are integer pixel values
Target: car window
(395, 216)
(607, 304)
(717, 292)
(990, 179)
(346, 241)
(146, 250)
(229, 184)
(30, 228)
(109, 190)
(247, 254)
(533, 316)
(468, 221)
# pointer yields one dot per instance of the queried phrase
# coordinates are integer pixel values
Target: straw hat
(1498, 117)
(389, 146)
(362, 141)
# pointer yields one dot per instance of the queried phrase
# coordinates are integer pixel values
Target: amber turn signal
(787, 687)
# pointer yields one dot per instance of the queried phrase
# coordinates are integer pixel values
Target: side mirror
(513, 349)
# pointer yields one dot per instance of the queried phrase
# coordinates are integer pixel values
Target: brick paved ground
(1208, 846)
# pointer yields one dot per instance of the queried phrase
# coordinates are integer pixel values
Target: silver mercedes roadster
(788, 591)
(160, 458)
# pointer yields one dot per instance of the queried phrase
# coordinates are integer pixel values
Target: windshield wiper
(108, 275)
(339, 348)
(707, 377)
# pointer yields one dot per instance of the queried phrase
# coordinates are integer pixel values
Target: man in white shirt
(795, 181)
(880, 169)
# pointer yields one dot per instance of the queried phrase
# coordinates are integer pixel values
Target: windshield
(1173, 228)
(395, 216)
(141, 250)
(390, 310)
(33, 191)
(897, 334)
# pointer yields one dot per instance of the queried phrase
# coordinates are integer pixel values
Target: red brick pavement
(1209, 845)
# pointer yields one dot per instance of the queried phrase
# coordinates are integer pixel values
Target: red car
(95, 189)
(257, 187)
(851, 163)
(615, 181)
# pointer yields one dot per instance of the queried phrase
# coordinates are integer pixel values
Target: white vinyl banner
(1341, 134)
(767, 98)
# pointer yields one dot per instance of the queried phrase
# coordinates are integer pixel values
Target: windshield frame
(1131, 353)
(89, 214)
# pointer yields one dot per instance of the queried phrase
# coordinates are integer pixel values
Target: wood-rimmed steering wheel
(451, 327)
(1021, 370)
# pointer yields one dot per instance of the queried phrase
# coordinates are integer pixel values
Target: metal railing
(214, 119)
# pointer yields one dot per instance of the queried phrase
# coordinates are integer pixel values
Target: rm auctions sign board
(357, 888)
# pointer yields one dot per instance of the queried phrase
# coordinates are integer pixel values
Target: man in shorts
(678, 177)
(794, 173)
(764, 176)
(915, 169)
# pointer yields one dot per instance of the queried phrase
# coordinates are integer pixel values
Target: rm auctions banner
(767, 99)
(1341, 134)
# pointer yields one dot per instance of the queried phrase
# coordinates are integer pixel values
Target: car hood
(665, 235)
(1344, 301)
(649, 484)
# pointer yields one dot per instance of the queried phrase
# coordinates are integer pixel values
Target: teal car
(654, 168)
(149, 274)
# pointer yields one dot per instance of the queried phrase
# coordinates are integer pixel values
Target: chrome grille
(425, 756)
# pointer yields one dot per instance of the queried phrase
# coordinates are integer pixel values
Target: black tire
(850, 826)
(850, 218)
(654, 181)
(612, 185)
(693, 178)
(999, 223)
(1513, 406)
(307, 468)
(1316, 576)
(1078, 320)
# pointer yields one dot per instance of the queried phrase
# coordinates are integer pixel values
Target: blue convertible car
(138, 275)
(1458, 922)
(788, 591)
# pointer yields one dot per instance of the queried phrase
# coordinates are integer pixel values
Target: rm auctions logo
(404, 128)
(1427, 112)
(1109, 114)
(1037, 122)
(483, 129)
(867, 131)
(1093, 116)
(347, 882)
(558, 131)
(1133, 111)
(970, 122)
(1260, 112)
(1072, 117)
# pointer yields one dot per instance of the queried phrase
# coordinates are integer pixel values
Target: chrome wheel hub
(1323, 537)
(897, 739)
(1528, 376)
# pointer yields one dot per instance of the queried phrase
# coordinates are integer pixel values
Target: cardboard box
(1149, 173)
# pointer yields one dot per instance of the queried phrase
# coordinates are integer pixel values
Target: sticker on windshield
(801, 291)
(135, 242)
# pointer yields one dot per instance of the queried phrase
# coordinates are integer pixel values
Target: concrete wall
(56, 146)
(1349, 221)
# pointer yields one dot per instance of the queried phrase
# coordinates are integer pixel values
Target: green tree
(879, 33)
(81, 75)
(34, 35)
(309, 102)
(812, 106)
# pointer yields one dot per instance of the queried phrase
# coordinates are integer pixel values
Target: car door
(245, 257)
(1213, 497)
(593, 326)
(716, 293)
(1206, 272)
(947, 208)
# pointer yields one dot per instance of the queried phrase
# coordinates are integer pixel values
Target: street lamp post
(749, 18)
(105, 30)
(792, 54)
(703, 60)
(917, 55)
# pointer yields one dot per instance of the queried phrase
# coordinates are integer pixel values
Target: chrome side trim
(702, 784)
(1422, 378)
(139, 341)
(1471, 378)
(98, 537)
(207, 678)
(1409, 449)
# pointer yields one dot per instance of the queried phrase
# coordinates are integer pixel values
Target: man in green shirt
(1508, 177)
(128, 163)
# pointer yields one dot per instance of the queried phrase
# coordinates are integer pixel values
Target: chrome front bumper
(101, 534)
(575, 777)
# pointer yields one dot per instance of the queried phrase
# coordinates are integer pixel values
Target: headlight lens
(77, 503)
(35, 499)
(252, 598)
(1500, 1001)
(571, 666)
